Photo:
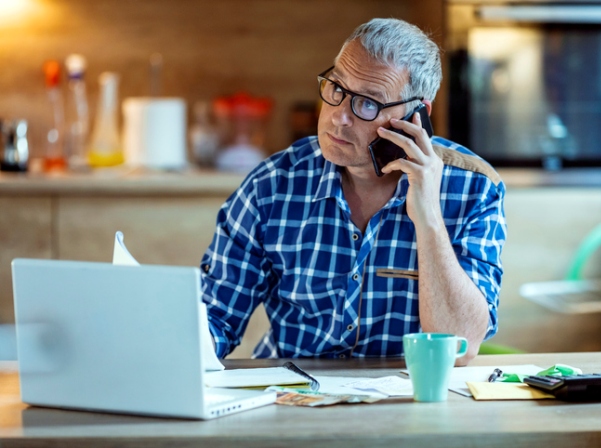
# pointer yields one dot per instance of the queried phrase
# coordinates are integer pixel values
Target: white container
(154, 132)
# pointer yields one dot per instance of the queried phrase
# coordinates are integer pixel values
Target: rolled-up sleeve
(479, 244)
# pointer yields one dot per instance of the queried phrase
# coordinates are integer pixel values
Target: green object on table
(556, 370)
(561, 370)
(512, 378)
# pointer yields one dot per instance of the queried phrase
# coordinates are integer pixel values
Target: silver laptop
(124, 339)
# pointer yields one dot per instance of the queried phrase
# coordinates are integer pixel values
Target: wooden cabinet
(25, 231)
(158, 230)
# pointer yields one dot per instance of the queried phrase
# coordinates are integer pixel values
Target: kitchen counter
(570, 177)
(210, 183)
(122, 181)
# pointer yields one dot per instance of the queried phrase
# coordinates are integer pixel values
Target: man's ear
(428, 105)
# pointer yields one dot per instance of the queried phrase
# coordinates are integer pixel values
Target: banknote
(307, 397)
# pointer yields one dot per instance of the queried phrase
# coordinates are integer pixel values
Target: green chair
(486, 348)
(588, 246)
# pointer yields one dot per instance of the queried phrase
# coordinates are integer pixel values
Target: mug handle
(462, 348)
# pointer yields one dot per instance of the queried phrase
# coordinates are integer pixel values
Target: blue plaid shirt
(285, 239)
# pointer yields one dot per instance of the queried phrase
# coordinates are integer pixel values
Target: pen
(494, 375)
(296, 369)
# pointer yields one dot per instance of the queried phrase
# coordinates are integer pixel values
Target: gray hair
(399, 44)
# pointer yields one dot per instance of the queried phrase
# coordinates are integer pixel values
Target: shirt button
(206, 268)
(350, 327)
(342, 356)
(355, 237)
(356, 277)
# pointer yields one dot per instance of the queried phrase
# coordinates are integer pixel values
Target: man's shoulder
(460, 157)
(301, 160)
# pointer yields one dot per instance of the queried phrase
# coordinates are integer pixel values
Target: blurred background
(265, 48)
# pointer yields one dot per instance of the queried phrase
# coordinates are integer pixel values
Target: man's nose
(343, 113)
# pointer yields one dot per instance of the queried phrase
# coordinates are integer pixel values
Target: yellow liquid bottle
(105, 146)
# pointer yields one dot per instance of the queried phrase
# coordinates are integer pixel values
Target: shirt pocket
(397, 273)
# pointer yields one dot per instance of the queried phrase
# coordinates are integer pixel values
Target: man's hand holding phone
(419, 161)
(384, 150)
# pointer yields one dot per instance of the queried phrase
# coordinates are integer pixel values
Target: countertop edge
(210, 183)
(121, 183)
(571, 177)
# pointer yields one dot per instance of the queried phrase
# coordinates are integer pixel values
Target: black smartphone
(384, 151)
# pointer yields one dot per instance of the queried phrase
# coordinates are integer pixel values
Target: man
(346, 262)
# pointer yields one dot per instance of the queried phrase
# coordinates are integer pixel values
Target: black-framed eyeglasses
(363, 107)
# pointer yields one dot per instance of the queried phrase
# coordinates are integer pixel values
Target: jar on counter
(14, 145)
(241, 119)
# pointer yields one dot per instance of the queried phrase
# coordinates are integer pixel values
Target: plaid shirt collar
(330, 186)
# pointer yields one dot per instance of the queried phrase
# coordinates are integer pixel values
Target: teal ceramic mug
(430, 358)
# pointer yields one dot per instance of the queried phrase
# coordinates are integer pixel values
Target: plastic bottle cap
(242, 105)
(52, 70)
(76, 65)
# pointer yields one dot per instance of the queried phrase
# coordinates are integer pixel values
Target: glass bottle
(105, 146)
(77, 127)
(54, 158)
(204, 139)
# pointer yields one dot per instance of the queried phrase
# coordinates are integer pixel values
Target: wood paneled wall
(269, 48)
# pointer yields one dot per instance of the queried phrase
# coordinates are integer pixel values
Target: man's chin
(337, 156)
(346, 155)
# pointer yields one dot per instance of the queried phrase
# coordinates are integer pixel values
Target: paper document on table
(121, 256)
(336, 389)
(505, 391)
(461, 375)
(258, 377)
(211, 361)
(392, 386)
(341, 385)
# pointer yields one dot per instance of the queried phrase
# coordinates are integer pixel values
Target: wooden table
(459, 422)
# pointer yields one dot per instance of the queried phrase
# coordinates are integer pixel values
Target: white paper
(259, 377)
(461, 375)
(340, 385)
(209, 356)
(335, 385)
(121, 256)
(392, 386)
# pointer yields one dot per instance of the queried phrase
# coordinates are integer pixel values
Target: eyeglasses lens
(362, 107)
(365, 108)
(329, 93)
